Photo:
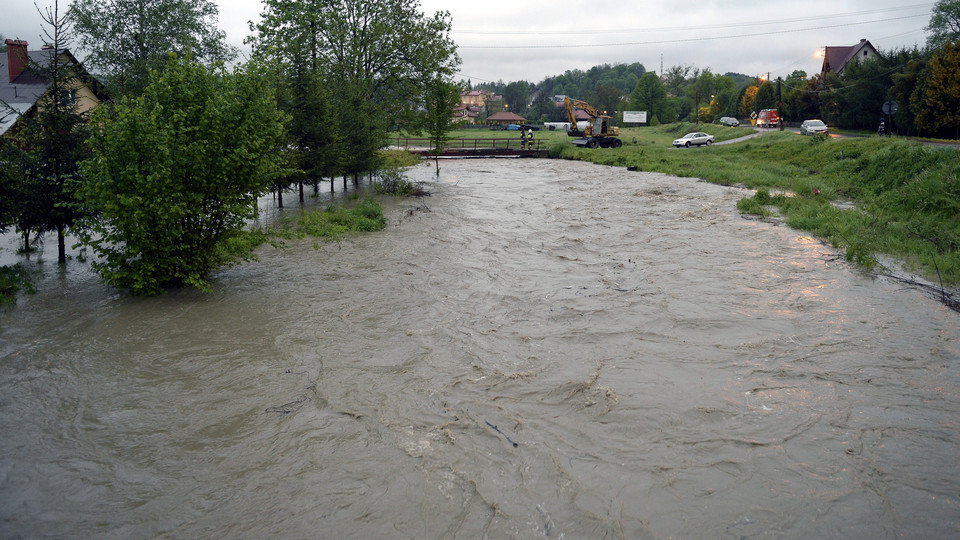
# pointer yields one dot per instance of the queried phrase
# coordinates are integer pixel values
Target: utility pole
(779, 105)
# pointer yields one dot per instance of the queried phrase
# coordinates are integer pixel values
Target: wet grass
(336, 221)
(903, 197)
(14, 279)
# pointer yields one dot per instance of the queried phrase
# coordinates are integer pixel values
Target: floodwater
(541, 349)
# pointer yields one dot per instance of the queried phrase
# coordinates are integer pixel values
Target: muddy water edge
(541, 349)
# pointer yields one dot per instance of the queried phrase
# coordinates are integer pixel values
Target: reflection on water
(665, 368)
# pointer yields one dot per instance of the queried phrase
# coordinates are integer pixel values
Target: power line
(686, 28)
(686, 40)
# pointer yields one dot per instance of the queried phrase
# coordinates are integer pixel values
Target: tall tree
(128, 38)
(176, 172)
(439, 100)
(766, 97)
(605, 98)
(649, 95)
(936, 101)
(517, 96)
(857, 96)
(944, 23)
(51, 138)
(376, 56)
(701, 90)
(746, 98)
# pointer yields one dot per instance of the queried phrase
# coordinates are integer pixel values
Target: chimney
(16, 57)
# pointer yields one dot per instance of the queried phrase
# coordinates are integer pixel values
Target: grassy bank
(903, 197)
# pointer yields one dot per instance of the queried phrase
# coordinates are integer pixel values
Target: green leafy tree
(439, 101)
(376, 57)
(676, 79)
(766, 97)
(700, 91)
(911, 63)
(176, 173)
(936, 101)
(50, 142)
(128, 38)
(650, 95)
(517, 96)
(944, 23)
(857, 96)
(605, 98)
(724, 102)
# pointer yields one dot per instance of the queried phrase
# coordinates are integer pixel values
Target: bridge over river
(480, 147)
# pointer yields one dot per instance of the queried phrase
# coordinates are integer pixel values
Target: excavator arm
(599, 131)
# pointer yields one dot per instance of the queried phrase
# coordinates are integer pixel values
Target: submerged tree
(439, 101)
(176, 173)
(49, 141)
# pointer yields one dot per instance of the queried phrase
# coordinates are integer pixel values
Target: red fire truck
(768, 118)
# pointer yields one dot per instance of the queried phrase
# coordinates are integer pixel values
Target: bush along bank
(902, 197)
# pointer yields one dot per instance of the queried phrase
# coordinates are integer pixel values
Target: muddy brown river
(541, 349)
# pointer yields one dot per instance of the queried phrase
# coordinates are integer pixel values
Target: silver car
(693, 139)
(729, 121)
(809, 127)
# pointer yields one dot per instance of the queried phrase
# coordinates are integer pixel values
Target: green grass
(335, 221)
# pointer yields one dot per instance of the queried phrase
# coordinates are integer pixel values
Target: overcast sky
(513, 40)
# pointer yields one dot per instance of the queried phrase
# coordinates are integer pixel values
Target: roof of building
(836, 58)
(505, 116)
(20, 94)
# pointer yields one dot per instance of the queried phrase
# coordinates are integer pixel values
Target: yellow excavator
(600, 131)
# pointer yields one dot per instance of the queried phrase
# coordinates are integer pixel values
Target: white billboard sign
(635, 117)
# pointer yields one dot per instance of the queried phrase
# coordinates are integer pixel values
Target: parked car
(729, 121)
(809, 127)
(693, 139)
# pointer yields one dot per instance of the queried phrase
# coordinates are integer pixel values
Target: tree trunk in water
(61, 246)
(279, 198)
(356, 179)
(301, 192)
(344, 182)
(332, 180)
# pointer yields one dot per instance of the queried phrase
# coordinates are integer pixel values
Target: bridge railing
(478, 144)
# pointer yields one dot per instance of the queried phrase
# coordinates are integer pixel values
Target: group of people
(526, 139)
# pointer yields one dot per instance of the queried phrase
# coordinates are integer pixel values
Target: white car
(693, 139)
(809, 127)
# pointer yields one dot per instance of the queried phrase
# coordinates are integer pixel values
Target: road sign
(890, 107)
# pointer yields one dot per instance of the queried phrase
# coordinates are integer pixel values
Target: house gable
(837, 58)
(21, 87)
